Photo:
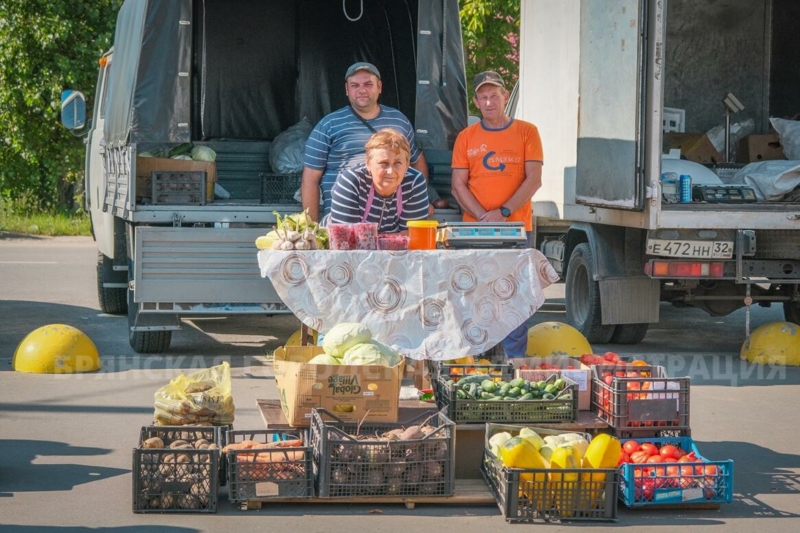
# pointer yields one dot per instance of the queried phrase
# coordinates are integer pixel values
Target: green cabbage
(203, 153)
(344, 336)
(364, 354)
(392, 357)
(182, 157)
(324, 359)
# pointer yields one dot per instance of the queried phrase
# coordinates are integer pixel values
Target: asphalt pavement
(66, 440)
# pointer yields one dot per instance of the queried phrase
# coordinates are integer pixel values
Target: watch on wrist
(505, 211)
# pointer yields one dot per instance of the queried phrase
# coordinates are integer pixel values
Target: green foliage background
(47, 46)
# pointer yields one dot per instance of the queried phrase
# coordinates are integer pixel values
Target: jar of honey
(422, 234)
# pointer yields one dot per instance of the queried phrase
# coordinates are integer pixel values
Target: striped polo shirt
(351, 190)
(338, 141)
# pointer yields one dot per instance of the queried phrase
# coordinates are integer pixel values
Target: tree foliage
(46, 46)
(491, 36)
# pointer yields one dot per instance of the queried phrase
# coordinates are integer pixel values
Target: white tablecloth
(438, 304)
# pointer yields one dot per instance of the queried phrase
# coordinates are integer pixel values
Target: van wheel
(145, 341)
(112, 300)
(583, 297)
(629, 333)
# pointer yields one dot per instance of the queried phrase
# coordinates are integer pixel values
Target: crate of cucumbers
(478, 399)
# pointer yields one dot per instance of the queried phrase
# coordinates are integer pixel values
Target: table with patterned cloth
(431, 304)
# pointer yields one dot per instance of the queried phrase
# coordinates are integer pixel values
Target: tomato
(587, 359)
(623, 458)
(639, 457)
(650, 448)
(630, 446)
(611, 357)
(687, 477)
(608, 380)
(655, 459)
(685, 459)
(524, 367)
(668, 450)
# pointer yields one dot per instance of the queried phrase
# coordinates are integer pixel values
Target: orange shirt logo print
(487, 163)
(472, 152)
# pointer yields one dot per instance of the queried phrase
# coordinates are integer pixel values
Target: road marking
(28, 262)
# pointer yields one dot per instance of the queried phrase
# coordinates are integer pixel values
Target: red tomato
(587, 359)
(608, 380)
(611, 357)
(687, 477)
(685, 459)
(639, 457)
(623, 458)
(524, 367)
(655, 459)
(650, 448)
(668, 450)
(630, 446)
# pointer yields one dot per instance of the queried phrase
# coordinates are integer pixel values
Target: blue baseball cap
(362, 65)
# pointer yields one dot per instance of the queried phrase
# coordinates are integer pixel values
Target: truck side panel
(197, 265)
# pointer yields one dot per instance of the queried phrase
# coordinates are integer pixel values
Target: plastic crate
(641, 405)
(654, 484)
(191, 434)
(179, 481)
(183, 188)
(563, 409)
(504, 371)
(269, 474)
(346, 466)
(279, 188)
(526, 495)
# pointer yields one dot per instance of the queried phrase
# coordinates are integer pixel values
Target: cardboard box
(695, 147)
(754, 148)
(581, 374)
(347, 391)
(145, 166)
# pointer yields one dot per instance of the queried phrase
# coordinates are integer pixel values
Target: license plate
(690, 249)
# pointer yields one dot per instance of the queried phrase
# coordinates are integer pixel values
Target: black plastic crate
(349, 466)
(504, 371)
(269, 473)
(175, 480)
(641, 401)
(563, 409)
(526, 495)
(279, 188)
(185, 187)
(191, 434)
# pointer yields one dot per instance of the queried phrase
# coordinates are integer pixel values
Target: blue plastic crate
(648, 484)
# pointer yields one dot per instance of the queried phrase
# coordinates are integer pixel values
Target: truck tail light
(684, 269)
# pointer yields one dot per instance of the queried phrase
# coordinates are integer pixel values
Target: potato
(153, 442)
(180, 443)
(202, 444)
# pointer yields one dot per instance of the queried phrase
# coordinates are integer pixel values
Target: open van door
(610, 159)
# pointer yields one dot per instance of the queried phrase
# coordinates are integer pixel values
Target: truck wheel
(629, 333)
(145, 341)
(113, 300)
(791, 312)
(583, 297)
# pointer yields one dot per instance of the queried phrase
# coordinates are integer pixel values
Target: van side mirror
(73, 110)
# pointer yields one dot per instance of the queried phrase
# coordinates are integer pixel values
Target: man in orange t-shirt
(497, 168)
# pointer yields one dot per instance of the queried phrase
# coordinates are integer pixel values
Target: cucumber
(560, 384)
(514, 392)
(541, 385)
(473, 388)
(486, 396)
(474, 378)
(527, 396)
(518, 382)
(488, 385)
(548, 396)
(504, 389)
(461, 395)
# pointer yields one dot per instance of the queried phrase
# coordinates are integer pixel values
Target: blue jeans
(516, 344)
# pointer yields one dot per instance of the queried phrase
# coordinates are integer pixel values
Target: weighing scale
(457, 235)
(723, 194)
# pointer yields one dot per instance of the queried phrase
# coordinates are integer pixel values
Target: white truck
(232, 76)
(595, 77)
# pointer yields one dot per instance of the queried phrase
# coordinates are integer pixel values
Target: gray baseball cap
(362, 65)
(488, 76)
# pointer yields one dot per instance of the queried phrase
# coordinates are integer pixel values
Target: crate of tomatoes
(638, 400)
(670, 471)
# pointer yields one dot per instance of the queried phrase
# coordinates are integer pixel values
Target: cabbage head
(392, 357)
(203, 153)
(182, 157)
(364, 354)
(324, 359)
(344, 336)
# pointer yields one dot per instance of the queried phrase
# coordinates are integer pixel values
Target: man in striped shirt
(338, 140)
(383, 189)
